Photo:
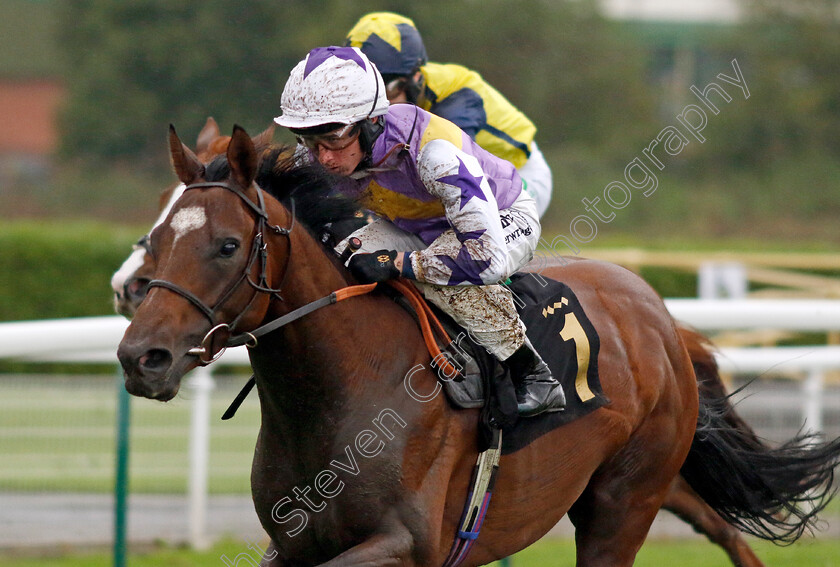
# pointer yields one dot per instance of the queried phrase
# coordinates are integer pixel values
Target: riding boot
(536, 389)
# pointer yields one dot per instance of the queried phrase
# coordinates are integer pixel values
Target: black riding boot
(536, 389)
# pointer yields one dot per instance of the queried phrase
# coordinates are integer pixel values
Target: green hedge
(54, 269)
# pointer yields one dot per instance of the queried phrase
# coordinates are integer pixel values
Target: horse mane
(317, 204)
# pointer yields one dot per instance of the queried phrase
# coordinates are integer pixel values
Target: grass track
(548, 553)
(57, 434)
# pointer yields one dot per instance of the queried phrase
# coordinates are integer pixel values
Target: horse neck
(298, 366)
(327, 376)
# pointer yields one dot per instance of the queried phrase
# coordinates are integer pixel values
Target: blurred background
(89, 87)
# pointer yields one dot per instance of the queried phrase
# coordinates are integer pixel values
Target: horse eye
(229, 248)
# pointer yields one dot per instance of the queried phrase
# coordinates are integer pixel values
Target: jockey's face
(339, 151)
(395, 91)
(343, 161)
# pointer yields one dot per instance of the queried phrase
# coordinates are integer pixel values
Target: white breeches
(537, 177)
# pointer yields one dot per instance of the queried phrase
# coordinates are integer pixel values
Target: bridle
(258, 253)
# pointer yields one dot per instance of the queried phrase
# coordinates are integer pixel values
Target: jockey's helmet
(332, 85)
(391, 41)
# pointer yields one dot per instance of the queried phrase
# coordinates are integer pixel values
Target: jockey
(453, 217)
(454, 92)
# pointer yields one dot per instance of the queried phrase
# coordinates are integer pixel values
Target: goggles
(334, 141)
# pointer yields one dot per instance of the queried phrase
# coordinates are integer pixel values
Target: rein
(424, 315)
(259, 252)
(249, 339)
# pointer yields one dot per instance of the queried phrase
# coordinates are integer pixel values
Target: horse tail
(774, 493)
(709, 383)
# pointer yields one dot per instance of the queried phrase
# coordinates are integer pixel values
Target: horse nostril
(136, 288)
(155, 359)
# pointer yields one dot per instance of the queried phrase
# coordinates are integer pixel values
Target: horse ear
(242, 157)
(187, 166)
(263, 139)
(209, 133)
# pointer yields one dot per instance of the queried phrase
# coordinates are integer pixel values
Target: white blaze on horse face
(176, 194)
(127, 270)
(187, 220)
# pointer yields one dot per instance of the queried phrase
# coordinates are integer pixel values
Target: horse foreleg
(270, 558)
(382, 550)
(610, 528)
(379, 551)
(689, 507)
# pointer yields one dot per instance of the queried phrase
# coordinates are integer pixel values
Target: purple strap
(471, 526)
(464, 541)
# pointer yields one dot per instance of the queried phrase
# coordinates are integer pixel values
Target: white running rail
(95, 339)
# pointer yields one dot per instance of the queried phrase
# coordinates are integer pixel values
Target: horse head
(130, 282)
(210, 274)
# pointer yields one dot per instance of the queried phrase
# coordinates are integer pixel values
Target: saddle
(557, 327)
(567, 341)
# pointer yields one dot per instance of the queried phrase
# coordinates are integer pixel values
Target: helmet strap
(376, 95)
(370, 131)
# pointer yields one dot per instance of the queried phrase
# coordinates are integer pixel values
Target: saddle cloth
(564, 337)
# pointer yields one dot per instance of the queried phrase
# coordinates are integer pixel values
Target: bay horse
(390, 474)
(131, 278)
(130, 284)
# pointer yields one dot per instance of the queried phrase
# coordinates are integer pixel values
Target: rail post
(200, 384)
(121, 474)
(813, 406)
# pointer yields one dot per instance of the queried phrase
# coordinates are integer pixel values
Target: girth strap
(487, 465)
(478, 500)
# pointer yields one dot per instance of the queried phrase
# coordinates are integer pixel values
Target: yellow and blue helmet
(391, 41)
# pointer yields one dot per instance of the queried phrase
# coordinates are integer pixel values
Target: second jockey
(454, 92)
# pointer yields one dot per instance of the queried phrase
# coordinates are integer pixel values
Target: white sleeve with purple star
(474, 252)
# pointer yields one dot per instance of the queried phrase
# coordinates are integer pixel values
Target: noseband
(259, 253)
